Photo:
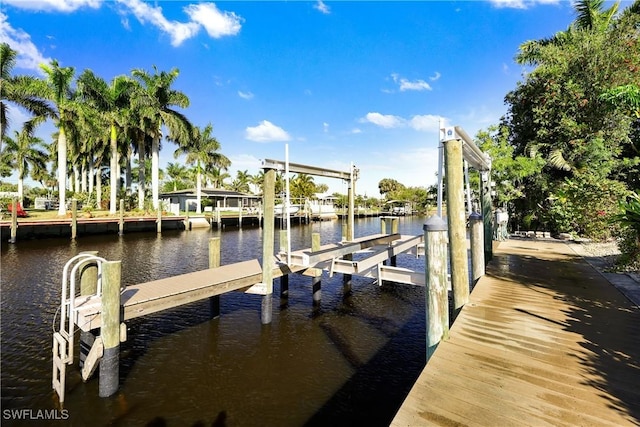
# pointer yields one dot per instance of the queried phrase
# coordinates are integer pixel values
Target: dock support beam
(317, 278)
(487, 214)
(14, 221)
(214, 262)
(74, 219)
(454, 177)
(268, 230)
(437, 304)
(284, 279)
(110, 330)
(477, 246)
(121, 220)
(389, 223)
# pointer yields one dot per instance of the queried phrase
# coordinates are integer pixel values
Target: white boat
(322, 209)
(280, 209)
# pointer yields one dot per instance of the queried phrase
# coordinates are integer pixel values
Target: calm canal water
(348, 362)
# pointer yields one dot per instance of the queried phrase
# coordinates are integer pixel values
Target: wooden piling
(159, 220)
(284, 279)
(110, 330)
(486, 214)
(214, 262)
(14, 221)
(121, 219)
(74, 219)
(456, 218)
(317, 278)
(218, 215)
(268, 194)
(477, 246)
(437, 301)
(240, 216)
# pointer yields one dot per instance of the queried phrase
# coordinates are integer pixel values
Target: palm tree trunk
(128, 172)
(155, 171)
(91, 176)
(99, 188)
(113, 169)
(62, 172)
(141, 172)
(21, 188)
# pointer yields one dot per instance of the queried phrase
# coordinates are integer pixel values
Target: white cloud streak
(54, 5)
(420, 123)
(521, 4)
(216, 23)
(322, 7)
(266, 132)
(406, 84)
(29, 57)
(245, 95)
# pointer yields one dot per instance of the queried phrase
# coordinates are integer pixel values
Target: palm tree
(241, 183)
(27, 153)
(59, 91)
(257, 180)
(217, 176)
(302, 186)
(155, 104)
(202, 151)
(19, 90)
(177, 173)
(590, 16)
(112, 101)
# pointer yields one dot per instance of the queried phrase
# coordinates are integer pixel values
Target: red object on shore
(21, 212)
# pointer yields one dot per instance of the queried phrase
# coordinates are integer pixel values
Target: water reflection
(349, 361)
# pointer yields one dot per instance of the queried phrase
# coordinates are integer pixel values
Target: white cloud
(356, 131)
(384, 120)
(325, 127)
(426, 123)
(421, 123)
(29, 57)
(322, 7)
(435, 77)
(521, 4)
(245, 95)
(216, 23)
(54, 5)
(406, 84)
(178, 31)
(266, 132)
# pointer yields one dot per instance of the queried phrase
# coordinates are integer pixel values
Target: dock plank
(544, 340)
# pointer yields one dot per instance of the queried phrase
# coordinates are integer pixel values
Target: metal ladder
(63, 339)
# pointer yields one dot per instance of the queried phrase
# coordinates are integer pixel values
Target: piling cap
(435, 223)
(475, 216)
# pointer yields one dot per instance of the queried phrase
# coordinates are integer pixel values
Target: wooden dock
(545, 340)
(151, 297)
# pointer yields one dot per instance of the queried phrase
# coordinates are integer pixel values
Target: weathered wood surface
(545, 340)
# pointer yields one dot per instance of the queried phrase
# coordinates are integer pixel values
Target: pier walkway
(545, 340)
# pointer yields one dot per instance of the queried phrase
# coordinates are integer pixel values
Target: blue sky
(339, 82)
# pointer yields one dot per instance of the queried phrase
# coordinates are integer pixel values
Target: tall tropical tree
(58, 89)
(112, 101)
(28, 153)
(217, 175)
(302, 186)
(156, 105)
(177, 173)
(202, 152)
(19, 90)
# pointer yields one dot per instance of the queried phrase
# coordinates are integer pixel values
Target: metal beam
(309, 170)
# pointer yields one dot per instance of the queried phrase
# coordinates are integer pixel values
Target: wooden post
(74, 218)
(159, 220)
(110, 330)
(240, 216)
(14, 220)
(477, 246)
(218, 215)
(214, 262)
(268, 194)
(456, 219)
(284, 279)
(88, 286)
(187, 223)
(350, 216)
(487, 215)
(121, 220)
(437, 304)
(317, 278)
(394, 230)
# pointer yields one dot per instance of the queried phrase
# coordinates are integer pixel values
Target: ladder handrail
(85, 259)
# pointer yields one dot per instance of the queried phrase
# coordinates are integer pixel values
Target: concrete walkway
(545, 340)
